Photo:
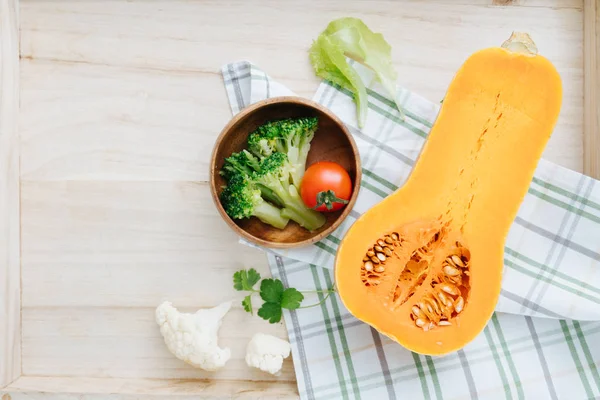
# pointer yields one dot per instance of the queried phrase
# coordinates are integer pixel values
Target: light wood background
(120, 103)
(10, 285)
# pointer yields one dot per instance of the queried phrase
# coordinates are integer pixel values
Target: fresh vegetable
(291, 137)
(275, 296)
(424, 266)
(350, 37)
(241, 198)
(266, 352)
(326, 186)
(329, 62)
(193, 337)
(264, 172)
(244, 163)
(273, 175)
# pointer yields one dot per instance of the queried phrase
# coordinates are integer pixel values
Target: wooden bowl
(332, 142)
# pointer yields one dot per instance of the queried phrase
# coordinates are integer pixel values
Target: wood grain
(98, 257)
(146, 74)
(10, 284)
(591, 128)
(53, 388)
(121, 103)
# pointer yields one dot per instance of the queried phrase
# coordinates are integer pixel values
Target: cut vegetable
(424, 266)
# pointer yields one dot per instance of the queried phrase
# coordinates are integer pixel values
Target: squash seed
(448, 311)
(370, 253)
(381, 256)
(434, 302)
(419, 322)
(378, 248)
(457, 280)
(375, 260)
(388, 252)
(369, 266)
(394, 236)
(388, 240)
(459, 304)
(429, 308)
(442, 297)
(451, 271)
(458, 261)
(417, 311)
(444, 323)
(381, 242)
(381, 268)
(450, 289)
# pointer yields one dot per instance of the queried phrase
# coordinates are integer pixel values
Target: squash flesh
(469, 181)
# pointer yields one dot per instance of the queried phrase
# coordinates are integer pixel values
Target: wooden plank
(10, 285)
(98, 257)
(131, 244)
(120, 107)
(181, 45)
(125, 342)
(591, 132)
(55, 388)
(90, 122)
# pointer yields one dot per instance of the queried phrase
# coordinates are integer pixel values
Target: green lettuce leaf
(328, 60)
(350, 37)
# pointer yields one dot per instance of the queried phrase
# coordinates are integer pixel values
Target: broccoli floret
(242, 199)
(291, 136)
(274, 174)
(245, 163)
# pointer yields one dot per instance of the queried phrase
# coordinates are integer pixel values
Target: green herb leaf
(271, 290)
(291, 299)
(245, 279)
(253, 278)
(271, 312)
(247, 304)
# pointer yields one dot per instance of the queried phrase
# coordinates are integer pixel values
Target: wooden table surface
(119, 104)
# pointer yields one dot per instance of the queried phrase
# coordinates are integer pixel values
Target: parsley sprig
(275, 296)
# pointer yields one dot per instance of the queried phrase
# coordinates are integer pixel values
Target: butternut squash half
(424, 266)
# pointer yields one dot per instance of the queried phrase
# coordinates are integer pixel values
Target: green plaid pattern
(552, 273)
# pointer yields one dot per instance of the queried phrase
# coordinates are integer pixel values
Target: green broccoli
(242, 199)
(245, 163)
(274, 174)
(291, 136)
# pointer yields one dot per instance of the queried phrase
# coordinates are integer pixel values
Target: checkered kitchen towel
(543, 341)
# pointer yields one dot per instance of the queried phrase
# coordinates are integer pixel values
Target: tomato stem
(327, 198)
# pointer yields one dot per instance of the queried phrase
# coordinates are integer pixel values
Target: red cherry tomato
(326, 186)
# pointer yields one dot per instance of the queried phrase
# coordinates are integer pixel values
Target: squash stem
(521, 42)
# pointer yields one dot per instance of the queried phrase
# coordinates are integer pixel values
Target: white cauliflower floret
(193, 337)
(267, 352)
